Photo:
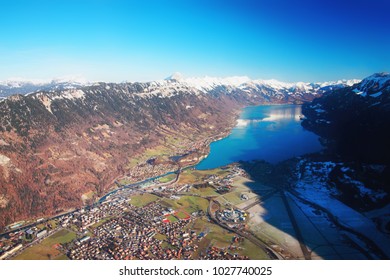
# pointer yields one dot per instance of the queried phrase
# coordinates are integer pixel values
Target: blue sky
(289, 40)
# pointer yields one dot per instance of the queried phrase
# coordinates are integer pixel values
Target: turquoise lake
(269, 132)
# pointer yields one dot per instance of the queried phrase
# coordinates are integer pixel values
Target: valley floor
(222, 213)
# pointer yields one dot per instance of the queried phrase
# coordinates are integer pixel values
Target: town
(181, 219)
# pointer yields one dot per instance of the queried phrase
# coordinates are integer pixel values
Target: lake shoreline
(256, 122)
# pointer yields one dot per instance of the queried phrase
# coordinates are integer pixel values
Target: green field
(208, 191)
(160, 152)
(61, 257)
(124, 181)
(193, 203)
(172, 219)
(191, 176)
(181, 215)
(186, 203)
(142, 199)
(166, 245)
(167, 178)
(253, 252)
(46, 249)
(215, 232)
(216, 236)
(172, 141)
(222, 201)
(53, 224)
(41, 226)
(170, 203)
(221, 238)
(233, 197)
(160, 236)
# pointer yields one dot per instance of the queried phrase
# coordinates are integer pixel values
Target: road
(259, 243)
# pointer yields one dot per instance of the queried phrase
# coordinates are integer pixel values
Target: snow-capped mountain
(374, 85)
(178, 83)
(355, 120)
(245, 83)
(21, 86)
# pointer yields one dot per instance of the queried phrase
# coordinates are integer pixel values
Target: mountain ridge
(353, 121)
(59, 144)
(21, 86)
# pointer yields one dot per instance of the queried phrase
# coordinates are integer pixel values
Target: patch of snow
(312, 188)
(376, 94)
(274, 84)
(72, 94)
(340, 82)
(4, 160)
(46, 101)
(364, 191)
(359, 92)
(3, 143)
(352, 82)
(209, 83)
(378, 79)
(375, 104)
(80, 80)
(318, 105)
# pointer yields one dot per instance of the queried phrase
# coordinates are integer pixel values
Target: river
(269, 132)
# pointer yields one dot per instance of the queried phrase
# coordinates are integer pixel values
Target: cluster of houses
(144, 171)
(215, 253)
(133, 235)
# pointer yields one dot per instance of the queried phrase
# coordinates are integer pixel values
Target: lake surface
(269, 132)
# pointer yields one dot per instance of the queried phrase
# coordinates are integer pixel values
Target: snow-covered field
(313, 188)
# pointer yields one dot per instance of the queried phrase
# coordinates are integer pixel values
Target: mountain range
(205, 84)
(61, 141)
(354, 121)
(21, 86)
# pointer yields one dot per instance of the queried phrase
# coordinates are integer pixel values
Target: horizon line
(82, 80)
